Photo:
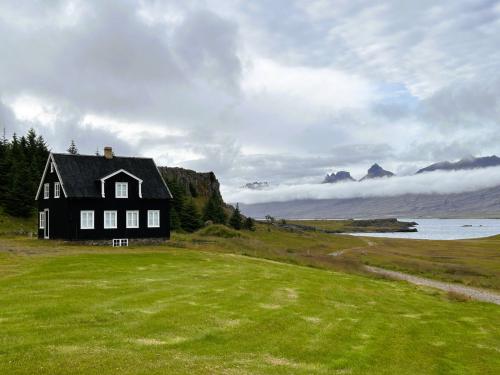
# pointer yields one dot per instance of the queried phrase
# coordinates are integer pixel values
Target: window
(57, 189)
(132, 219)
(121, 189)
(153, 218)
(86, 219)
(110, 220)
(42, 220)
(46, 191)
(120, 242)
(51, 167)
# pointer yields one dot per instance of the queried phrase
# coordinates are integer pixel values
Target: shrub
(218, 230)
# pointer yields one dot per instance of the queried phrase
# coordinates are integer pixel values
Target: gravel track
(473, 293)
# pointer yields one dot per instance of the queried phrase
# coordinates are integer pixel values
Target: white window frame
(46, 191)
(127, 217)
(118, 242)
(57, 189)
(115, 213)
(87, 226)
(152, 215)
(41, 220)
(121, 184)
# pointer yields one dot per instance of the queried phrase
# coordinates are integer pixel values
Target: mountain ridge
(463, 164)
(483, 203)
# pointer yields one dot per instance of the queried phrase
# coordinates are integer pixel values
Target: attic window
(46, 191)
(121, 190)
(57, 189)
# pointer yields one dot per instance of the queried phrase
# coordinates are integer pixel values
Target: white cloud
(439, 182)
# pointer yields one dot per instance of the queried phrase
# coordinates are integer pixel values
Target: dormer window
(121, 189)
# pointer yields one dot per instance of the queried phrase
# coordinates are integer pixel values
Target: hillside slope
(483, 203)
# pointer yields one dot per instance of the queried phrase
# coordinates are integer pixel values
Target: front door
(47, 223)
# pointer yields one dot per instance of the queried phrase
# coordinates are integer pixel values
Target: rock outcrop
(341, 176)
(196, 184)
(256, 185)
(376, 171)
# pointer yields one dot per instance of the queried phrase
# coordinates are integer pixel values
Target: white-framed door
(46, 231)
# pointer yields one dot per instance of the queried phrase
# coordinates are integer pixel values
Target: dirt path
(473, 293)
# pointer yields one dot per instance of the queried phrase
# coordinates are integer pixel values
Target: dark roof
(81, 174)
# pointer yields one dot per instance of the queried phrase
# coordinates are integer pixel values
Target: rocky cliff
(197, 184)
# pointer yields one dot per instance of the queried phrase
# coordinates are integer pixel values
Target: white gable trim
(49, 160)
(103, 180)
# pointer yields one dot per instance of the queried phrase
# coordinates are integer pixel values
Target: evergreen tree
(22, 161)
(249, 224)
(72, 148)
(4, 168)
(236, 219)
(19, 199)
(175, 221)
(190, 217)
(214, 210)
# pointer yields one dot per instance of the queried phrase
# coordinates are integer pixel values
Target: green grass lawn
(69, 309)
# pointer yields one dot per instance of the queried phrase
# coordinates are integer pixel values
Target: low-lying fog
(438, 182)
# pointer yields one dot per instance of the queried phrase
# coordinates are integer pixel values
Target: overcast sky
(278, 91)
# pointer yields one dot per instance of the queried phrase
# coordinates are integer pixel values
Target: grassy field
(471, 262)
(176, 309)
(16, 226)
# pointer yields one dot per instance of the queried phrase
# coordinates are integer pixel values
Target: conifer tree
(72, 148)
(236, 219)
(249, 224)
(175, 221)
(22, 161)
(190, 217)
(214, 210)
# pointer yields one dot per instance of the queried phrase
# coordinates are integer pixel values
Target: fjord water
(446, 229)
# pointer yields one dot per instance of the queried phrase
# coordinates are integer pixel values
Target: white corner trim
(140, 189)
(50, 159)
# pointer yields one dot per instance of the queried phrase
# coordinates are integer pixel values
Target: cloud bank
(278, 91)
(438, 182)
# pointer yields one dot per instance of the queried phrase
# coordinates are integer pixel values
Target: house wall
(121, 206)
(58, 208)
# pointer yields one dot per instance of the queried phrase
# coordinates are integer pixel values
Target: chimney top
(108, 152)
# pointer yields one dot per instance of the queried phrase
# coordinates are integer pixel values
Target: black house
(83, 197)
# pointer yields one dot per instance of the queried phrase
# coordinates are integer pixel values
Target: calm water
(446, 229)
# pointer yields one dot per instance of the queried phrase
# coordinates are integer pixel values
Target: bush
(218, 230)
